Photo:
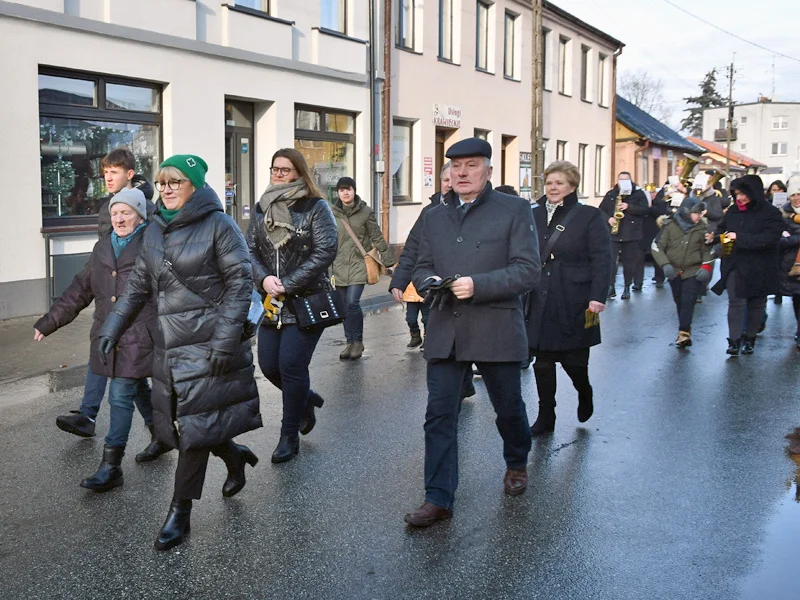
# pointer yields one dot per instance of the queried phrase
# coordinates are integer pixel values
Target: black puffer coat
(304, 261)
(209, 252)
(758, 230)
(104, 217)
(789, 286)
(577, 273)
(103, 280)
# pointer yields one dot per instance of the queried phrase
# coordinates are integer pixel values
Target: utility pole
(730, 125)
(537, 107)
(387, 117)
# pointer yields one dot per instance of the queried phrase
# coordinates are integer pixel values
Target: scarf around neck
(551, 209)
(275, 203)
(118, 244)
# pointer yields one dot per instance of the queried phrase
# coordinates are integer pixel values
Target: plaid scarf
(275, 204)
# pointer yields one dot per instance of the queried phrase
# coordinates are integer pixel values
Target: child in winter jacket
(681, 251)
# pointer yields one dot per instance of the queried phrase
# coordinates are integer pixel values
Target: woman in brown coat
(103, 280)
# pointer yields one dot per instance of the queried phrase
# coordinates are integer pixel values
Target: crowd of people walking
(497, 281)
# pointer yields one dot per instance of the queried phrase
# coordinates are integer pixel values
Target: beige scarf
(275, 203)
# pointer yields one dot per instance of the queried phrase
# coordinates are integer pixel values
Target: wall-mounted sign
(525, 175)
(427, 171)
(445, 115)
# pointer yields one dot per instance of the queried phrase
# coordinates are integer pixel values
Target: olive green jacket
(348, 266)
(686, 252)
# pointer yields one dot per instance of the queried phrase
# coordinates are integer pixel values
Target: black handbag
(255, 314)
(318, 311)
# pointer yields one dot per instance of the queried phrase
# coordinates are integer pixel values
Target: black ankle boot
(176, 526)
(585, 404)
(235, 457)
(748, 344)
(154, 448)
(626, 293)
(286, 449)
(416, 340)
(734, 346)
(545, 420)
(109, 473)
(309, 418)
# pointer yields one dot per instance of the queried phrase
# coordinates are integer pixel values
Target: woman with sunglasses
(292, 239)
(204, 390)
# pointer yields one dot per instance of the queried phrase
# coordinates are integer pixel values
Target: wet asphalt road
(677, 488)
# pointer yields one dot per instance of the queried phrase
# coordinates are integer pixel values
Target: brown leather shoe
(427, 514)
(515, 481)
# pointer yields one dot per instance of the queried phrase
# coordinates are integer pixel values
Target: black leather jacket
(303, 263)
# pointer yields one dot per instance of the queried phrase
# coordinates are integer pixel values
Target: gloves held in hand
(220, 362)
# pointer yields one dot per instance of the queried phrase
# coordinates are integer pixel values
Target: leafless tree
(645, 92)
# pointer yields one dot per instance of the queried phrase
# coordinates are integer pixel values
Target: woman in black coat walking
(292, 239)
(563, 316)
(789, 246)
(204, 390)
(102, 280)
(749, 234)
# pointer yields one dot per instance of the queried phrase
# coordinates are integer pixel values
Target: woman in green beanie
(195, 261)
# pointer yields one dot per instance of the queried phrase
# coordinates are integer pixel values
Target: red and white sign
(427, 171)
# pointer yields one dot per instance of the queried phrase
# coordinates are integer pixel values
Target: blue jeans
(123, 394)
(354, 316)
(95, 388)
(445, 380)
(283, 356)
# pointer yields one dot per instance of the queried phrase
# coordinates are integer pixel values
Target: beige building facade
(231, 82)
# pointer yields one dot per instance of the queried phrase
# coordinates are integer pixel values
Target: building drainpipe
(387, 117)
(375, 106)
(613, 165)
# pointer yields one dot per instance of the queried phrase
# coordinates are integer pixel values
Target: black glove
(669, 272)
(104, 347)
(703, 276)
(220, 362)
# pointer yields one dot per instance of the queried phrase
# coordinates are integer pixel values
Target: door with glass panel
(239, 196)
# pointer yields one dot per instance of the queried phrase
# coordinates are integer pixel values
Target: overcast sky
(679, 49)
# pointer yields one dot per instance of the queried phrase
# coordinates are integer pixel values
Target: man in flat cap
(478, 254)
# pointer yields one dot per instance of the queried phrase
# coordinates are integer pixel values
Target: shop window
(82, 116)
(402, 161)
(329, 151)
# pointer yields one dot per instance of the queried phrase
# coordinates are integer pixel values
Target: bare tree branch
(645, 92)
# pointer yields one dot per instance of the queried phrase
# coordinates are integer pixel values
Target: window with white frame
(743, 121)
(547, 77)
(722, 124)
(780, 122)
(561, 150)
(743, 147)
(446, 24)
(334, 15)
(546, 151)
(779, 149)
(510, 58)
(482, 134)
(405, 24)
(586, 53)
(602, 84)
(482, 37)
(402, 161)
(599, 170)
(564, 66)
(260, 5)
(582, 169)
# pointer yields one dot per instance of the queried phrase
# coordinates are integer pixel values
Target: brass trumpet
(726, 244)
(689, 163)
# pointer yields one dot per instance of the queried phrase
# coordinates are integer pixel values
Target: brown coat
(103, 280)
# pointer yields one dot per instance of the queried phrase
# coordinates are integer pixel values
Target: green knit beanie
(194, 167)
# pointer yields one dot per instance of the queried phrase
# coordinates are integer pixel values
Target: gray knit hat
(133, 197)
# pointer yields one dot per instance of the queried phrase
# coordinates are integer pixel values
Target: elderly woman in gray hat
(103, 280)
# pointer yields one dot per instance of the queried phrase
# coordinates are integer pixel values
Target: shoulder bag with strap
(371, 258)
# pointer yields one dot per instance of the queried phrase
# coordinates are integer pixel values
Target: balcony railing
(721, 135)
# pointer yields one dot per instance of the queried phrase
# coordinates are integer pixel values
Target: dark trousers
(95, 388)
(632, 257)
(191, 471)
(796, 306)
(738, 307)
(283, 356)
(685, 293)
(413, 310)
(354, 316)
(658, 273)
(445, 380)
(576, 365)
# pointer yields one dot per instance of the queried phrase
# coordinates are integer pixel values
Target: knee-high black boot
(109, 473)
(176, 526)
(235, 456)
(580, 379)
(546, 386)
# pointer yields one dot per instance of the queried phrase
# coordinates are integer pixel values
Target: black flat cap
(470, 147)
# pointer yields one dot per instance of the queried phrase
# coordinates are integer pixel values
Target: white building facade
(768, 132)
(231, 82)
(463, 68)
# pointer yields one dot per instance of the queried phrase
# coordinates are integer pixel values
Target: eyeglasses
(282, 170)
(173, 184)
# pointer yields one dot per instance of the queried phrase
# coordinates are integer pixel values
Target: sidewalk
(63, 356)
